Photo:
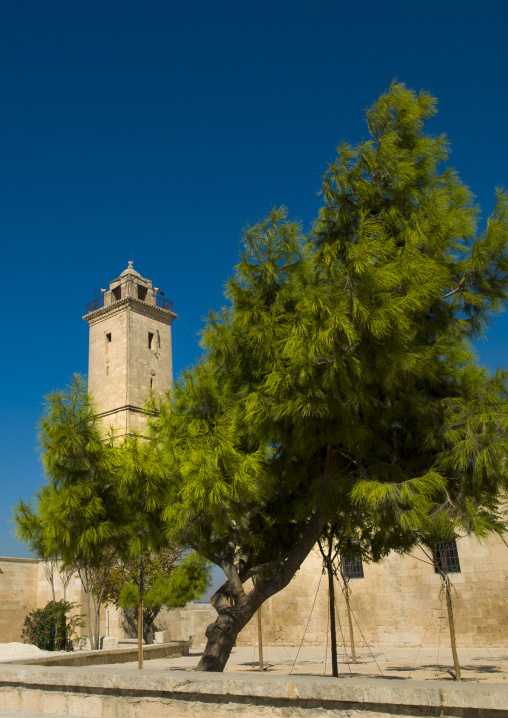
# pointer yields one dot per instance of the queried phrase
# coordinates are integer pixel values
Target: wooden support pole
(351, 634)
(333, 635)
(140, 614)
(260, 641)
(451, 624)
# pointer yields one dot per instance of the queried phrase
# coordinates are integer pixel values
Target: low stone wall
(158, 694)
(105, 657)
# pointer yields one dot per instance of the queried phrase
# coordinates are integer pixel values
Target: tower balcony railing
(162, 302)
(96, 303)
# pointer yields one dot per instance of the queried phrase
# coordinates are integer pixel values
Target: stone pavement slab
(11, 713)
(477, 664)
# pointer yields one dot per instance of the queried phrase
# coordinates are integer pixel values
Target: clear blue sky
(156, 130)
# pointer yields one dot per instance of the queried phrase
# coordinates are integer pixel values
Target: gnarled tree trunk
(223, 632)
(222, 636)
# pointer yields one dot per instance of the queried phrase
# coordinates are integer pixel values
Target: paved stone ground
(477, 664)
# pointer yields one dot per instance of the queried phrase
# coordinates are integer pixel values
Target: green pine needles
(339, 387)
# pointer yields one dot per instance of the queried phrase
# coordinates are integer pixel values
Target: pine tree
(76, 515)
(342, 373)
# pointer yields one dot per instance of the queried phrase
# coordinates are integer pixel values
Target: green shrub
(49, 628)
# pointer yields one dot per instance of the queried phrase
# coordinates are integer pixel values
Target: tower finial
(130, 263)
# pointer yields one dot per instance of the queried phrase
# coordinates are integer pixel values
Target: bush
(49, 628)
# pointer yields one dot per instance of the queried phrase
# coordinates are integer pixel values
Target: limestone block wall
(107, 361)
(187, 623)
(110, 693)
(129, 354)
(24, 588)
(18, 595)
(149, 367)
(399, 602)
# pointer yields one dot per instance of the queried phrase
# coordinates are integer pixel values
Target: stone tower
(129, 349)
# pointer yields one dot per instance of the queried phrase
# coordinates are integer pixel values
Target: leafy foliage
(168, 580)
(187, 582)
(50, 628)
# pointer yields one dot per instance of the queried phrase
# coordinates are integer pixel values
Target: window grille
(352, 569)
(446, 557)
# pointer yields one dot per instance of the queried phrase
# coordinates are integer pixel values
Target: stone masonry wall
(24, 588)
(110, 693)
(122, 367)
(107, 363)
(146, 363)
(18, 595)
(398, 603)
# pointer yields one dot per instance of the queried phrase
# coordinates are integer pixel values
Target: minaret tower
(130, 349)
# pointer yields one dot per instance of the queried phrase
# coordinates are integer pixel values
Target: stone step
(12, 713)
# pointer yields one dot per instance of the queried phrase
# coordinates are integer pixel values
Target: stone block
(110, 643)
(52, 702)
(31, 700)
(85, 705)
(175, 709)
(10, 698)
(120, 707)
(161, 637)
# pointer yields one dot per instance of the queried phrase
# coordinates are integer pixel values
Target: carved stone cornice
(126, 407)
(165, 316)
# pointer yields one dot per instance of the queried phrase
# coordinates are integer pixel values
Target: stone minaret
(130, 349)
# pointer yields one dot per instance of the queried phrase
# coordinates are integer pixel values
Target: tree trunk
(97, 625)
(140, 615)
(221, 637)
(451, 623)
(260, 640)
(149, 616)
(56, 643)
(223, 632)
(333, 635)
(86, 586)
(351, 634)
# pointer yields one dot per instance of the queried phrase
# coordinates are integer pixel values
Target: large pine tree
(339, 386)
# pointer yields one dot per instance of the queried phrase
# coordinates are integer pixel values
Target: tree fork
(222, 633)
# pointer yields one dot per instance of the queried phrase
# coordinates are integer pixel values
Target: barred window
(446, 557)
(352, 569)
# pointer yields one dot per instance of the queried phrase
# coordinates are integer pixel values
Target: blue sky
(155, 131)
